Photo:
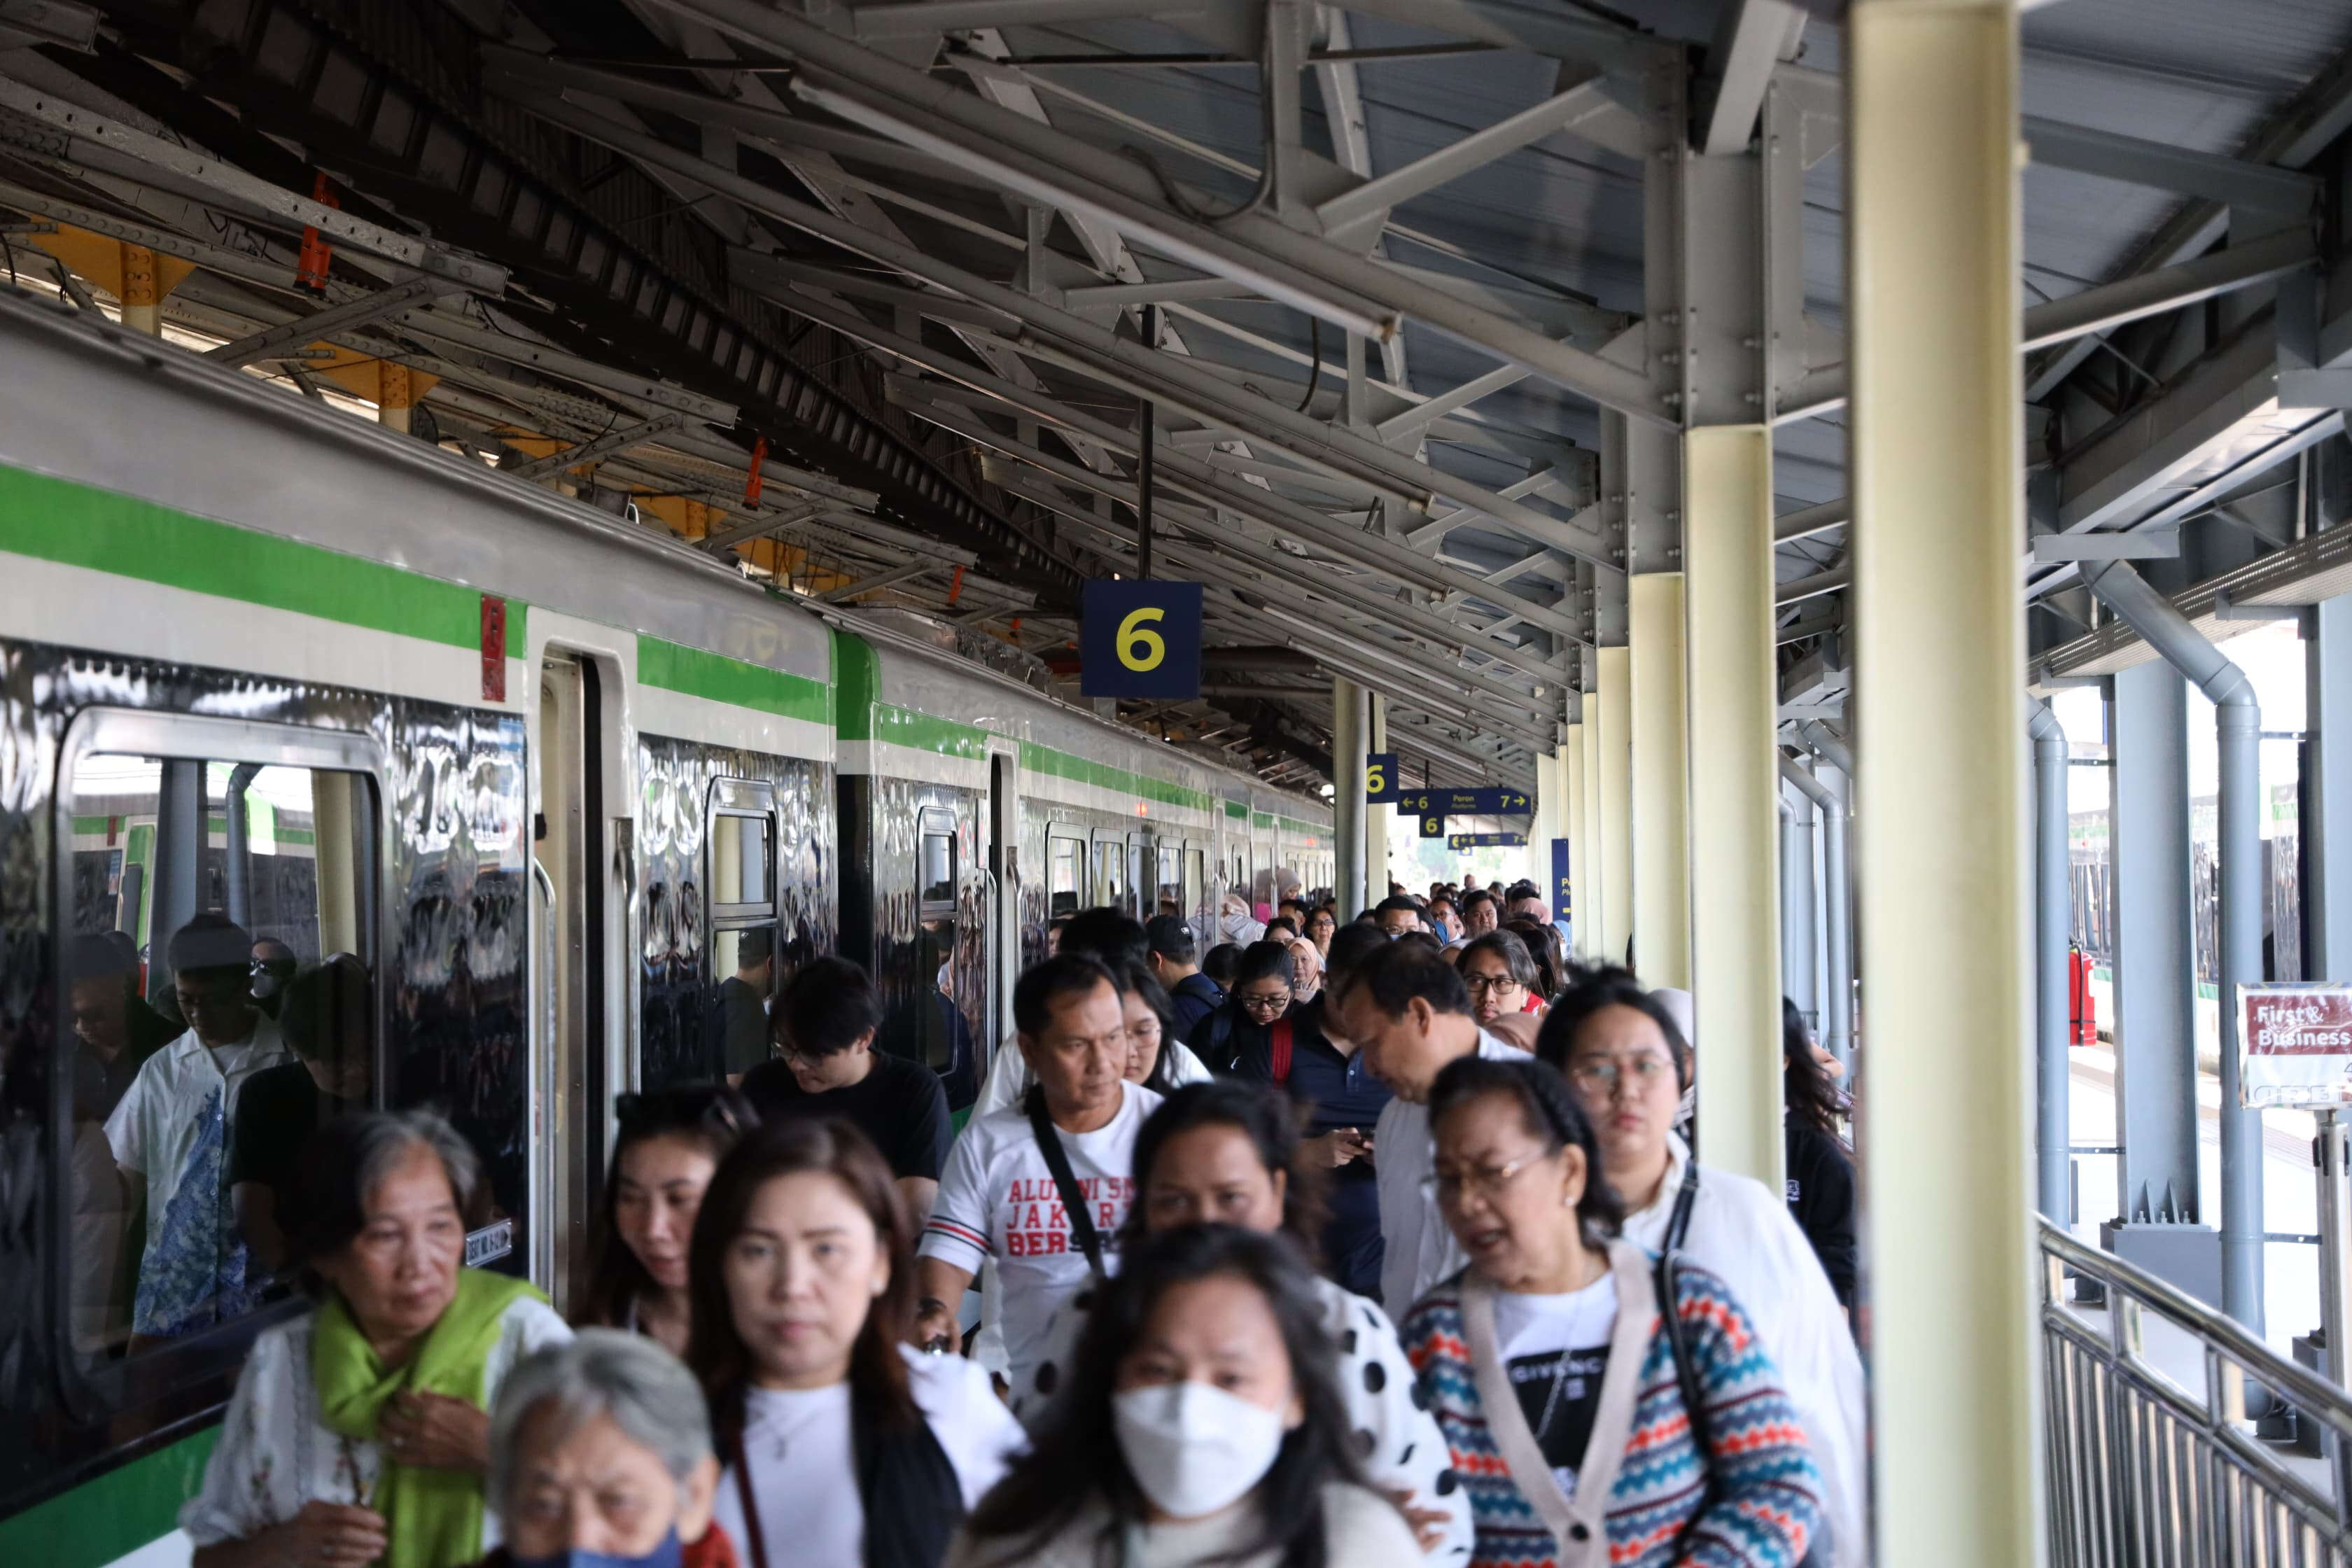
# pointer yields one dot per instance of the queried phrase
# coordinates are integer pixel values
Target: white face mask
(1195, 1449)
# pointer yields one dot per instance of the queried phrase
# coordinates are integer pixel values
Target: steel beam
(588, 452)
(1937, 440)
(335, 318)
(2232, 182)
(1375, 196)
(2096, 310)
(1751, 37)
(760, 526)
(879, 581)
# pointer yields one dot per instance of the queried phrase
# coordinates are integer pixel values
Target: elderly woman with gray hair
(359, 1434)
(600, 1454)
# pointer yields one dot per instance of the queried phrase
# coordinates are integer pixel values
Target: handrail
(2302, 1387)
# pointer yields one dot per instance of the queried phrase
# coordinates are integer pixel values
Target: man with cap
(171, 1135)
(114, 1029)
(327, 1020)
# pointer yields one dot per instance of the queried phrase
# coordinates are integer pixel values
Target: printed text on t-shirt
(1036, 1224)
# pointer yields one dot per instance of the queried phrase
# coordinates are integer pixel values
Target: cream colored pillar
(1616, 790)
(1377, 817)
(1579, 869)
(1946, 906)
(1734, 785)
(1661, 774)
(1592, 884)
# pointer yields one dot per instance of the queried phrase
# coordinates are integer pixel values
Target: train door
(576, 859)
(1004, 864)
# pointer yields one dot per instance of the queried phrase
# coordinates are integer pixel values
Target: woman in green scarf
(357, 1435)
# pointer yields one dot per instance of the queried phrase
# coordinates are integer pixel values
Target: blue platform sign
(1139, 639)
(1499, 801)
(1561, 884)
(1433, 827)
(1485, 840)
(1381, 785)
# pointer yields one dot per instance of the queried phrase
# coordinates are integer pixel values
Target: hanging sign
(2294, 1045)
(1381, 785)
(1485, 840)
(1139, 639)
(1496, 802)
(1433, 827)
(1561, 885)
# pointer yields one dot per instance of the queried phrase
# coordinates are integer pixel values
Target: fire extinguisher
(2083, 1008)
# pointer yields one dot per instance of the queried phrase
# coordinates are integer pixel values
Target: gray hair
(647, 1392)
(348, 1159)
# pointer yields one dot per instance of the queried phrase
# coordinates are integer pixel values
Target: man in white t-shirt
(170, 1133)
(1408, 1010)
(998, 1198)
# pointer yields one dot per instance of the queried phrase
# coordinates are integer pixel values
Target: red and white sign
(2294, 1045)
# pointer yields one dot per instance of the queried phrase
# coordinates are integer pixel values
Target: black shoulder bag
(1057, 1160)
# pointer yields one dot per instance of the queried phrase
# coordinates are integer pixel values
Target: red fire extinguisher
(2084, 1006)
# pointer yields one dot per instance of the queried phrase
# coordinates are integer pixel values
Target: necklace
(1551, 1400)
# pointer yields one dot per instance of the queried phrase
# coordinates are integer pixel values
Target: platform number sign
(1562, 885)
(1381, 786)
(1139, 639)
(1433, 827)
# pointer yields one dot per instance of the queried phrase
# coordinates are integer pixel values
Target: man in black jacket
(1176, 964)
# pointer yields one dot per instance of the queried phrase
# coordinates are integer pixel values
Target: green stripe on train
(75, 525)
(1039, 759)
(674, 667)
(116, 1514)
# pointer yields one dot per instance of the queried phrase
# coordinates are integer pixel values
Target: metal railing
(2145, 1470)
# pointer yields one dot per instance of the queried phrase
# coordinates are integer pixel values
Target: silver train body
(536, 768)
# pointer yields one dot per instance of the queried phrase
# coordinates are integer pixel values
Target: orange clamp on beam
(311, 267)
(752, 484)
(955, 589)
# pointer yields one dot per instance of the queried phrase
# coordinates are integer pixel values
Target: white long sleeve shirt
(1419, 1251)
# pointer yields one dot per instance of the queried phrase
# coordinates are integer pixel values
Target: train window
(742, 859)
(1195, 880)
(1066, 872)
(935, 871)
(1172, 901)
(1110, 869)
(746, 963)
(219, 956)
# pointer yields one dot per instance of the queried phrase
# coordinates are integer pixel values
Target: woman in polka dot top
(1223, 1153)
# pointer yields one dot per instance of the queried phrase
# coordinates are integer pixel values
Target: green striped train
(540, 770)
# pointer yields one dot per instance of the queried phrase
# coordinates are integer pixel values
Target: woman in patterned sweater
(1553, 1377)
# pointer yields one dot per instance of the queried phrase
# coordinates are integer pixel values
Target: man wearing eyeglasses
(1407, 1010)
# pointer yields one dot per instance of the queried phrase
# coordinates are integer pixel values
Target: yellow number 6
(1376, 780)
(1140, 650)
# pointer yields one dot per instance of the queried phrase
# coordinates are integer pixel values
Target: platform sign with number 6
(1139, 639)
(1381, 785)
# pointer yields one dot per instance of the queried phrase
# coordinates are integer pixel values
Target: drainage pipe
(1799, 938)
(2237, 727)
(2052, 994)
(1837, 1010)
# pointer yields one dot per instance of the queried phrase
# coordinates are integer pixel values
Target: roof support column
(1571, 797)
(1936, 449)
(1709, 220)
(1350, 729)
(1377, 817)
(1591, 885)
(2328, 789)
(1613, 784)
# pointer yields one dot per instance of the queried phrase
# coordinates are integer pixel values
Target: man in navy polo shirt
(1326, 1075)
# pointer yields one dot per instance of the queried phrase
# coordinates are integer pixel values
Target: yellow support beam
(1936, 436)
(1571, 799)
(1615, 775)
(1591, 885)
(1734, 783)
(1661, 773)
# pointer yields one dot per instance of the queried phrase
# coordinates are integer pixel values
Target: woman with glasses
(1156, 1058)
(1627, 1063)
(1322, 925)
(1501, 976)
(1599, 1408)
(670, 1142)
(1256, 1007)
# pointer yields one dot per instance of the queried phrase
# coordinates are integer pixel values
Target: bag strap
(1670, 1324)
(1679, 1225)
(1057, 1160)
(1278, 1051)
(743, 1489)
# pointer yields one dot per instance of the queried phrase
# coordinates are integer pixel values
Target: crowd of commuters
(1381, 1241)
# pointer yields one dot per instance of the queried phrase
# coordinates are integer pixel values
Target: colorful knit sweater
(1764, 1505)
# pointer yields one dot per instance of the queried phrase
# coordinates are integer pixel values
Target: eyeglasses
(1262, 1001)
(1490, 985)
(1600, 1076)
(1487, 1181)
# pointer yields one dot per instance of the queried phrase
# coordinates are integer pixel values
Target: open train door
(1003, 909)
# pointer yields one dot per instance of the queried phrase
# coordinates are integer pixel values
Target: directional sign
(1484, 840)
(1561, 885)
(1382, 785)
(1139, 639)
(1496, 802)
(1433, 827)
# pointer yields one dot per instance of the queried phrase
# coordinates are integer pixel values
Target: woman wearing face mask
(1202, 1425)
(1625, 1058)
(1224, 1153)
(1593, 1422)
(842, 1445)
(670, 1144)
(600, 1458)
(1256, 1006)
